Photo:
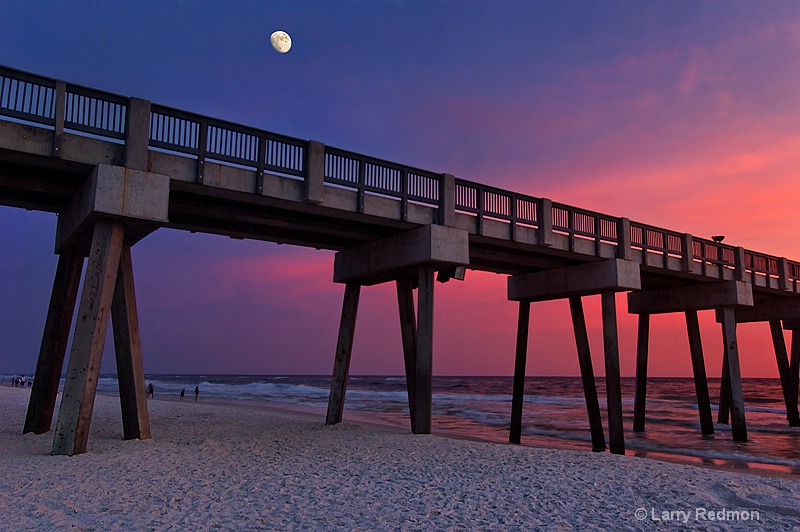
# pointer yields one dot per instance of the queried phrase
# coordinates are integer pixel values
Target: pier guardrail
(64, 106)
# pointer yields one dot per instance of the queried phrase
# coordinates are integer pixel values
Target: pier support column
(699, 372)
(723, 416)
(408, 332)
(80, 386)
(128, 350)
(587, 374)
(344, 347)
(603, 278)
(794, 363)
(784, 372)
(421, 422)
(689, 299)
(414, 255)
(738, 425)
(518, 393)
(114, 208)
(616, 436)
(642, 348)
(54, 343)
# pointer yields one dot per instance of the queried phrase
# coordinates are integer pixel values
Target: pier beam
(408, 332)
(613, 386)
(784, 371)
(423, 404)
(520, 360)
(603, 278)
(80, 385)
(699, 372)
(642, 351)
(587, 374)
(344, 347)
(128, 350)
(405, 258)
(738, 425)
(54, 343)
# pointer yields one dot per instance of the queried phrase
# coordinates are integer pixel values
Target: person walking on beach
(150, 390)
(196, 392)
(183, 392)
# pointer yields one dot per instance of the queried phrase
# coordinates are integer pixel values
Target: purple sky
(680, 114)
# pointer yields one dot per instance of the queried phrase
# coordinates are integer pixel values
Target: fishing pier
(117, 168)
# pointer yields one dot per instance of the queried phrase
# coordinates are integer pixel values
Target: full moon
(281, 41)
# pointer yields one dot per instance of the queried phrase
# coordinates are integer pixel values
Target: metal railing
(370, 175)
(63, 106)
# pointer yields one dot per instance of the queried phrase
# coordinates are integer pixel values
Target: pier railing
(64, 106)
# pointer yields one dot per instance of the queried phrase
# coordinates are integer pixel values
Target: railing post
(314, 183)
(545, 219)
(624, 238)
(687, 257)
(512, 209)
(447, 200)
(262, 161)
(739, 270)
(137, 134)
(60, 112)
(202, 144)
(783, 274)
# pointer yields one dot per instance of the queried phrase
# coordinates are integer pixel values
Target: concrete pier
(129, 167)
(689, 300)
(603, 278)
(409, 259)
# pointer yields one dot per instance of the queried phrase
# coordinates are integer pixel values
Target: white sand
(220, 467)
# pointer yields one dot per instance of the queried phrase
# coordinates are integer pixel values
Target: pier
(117, 168)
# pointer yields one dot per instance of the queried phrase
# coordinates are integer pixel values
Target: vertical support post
(421, 422)
(794, 363)
(642, 347)
(344, 347)
(739, 265)
(623, 238)
(408, 331)
(687, 257)
(783, 274)
(723, 417)
(59, 115)
(587, 374)
(699, 370)
(314, 182)
(545, 221)
(42, 401)
(613, 386)
(80, 386)
(738, 425)
(518, 393)
(447, 200)
(137, 134)
(128, 348)
(784, 372)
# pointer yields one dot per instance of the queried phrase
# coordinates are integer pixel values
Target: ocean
(554, 412)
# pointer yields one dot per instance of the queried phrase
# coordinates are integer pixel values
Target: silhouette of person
(150, 390)
(196, 392)
(183, 392)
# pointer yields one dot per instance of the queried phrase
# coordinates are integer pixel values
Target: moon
(281, 41)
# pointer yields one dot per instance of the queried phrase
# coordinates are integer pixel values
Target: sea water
(554, 412)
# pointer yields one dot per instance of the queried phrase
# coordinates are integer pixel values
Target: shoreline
(369, 419)
(214, 465)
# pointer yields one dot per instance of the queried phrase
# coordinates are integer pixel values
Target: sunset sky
(679, 114)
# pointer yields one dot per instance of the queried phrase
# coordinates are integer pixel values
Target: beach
(213, 466)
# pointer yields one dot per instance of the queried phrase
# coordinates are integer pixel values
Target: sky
(679, 114)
